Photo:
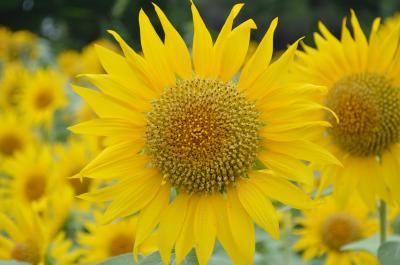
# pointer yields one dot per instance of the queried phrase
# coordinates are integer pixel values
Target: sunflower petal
(259, 207)
(202, 45)
(205, 230)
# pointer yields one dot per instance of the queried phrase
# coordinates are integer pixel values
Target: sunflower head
(203, 135)
(44, 95)
(369, 110)
(31, 175)
(184, 132)
(326, 229)
(15, 135)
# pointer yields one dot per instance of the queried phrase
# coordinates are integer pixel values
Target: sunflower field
(199, 132)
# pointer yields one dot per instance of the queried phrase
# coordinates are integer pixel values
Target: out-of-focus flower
(363, 81)
(15, 135)
(43, 96)
(330, 226)
(14, 80)
(101, 242)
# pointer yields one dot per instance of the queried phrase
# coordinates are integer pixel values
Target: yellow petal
(103, 105)
(287, 167)
(235, 50)
(260, 60)
(271, 75)
(134, 199)
(118, 159)
(177, 52)
(137, 62)
(259, 207)
(110, 127)
(222, 39)
(154, 52)
(205, 230)
(171, 225)
(224, 233)
(202, 45)
(281, 190)
(241, 226)
(304, 150)
(136, 95)
(149, 217)
(185, 240)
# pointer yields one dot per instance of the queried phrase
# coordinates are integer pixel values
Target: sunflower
(71, 159)
(193, 134)
(25, 238)
(13, 82)
(23, 46)
(15, 135)
(31, 175)
(44, 95)
(330, 226)
(102, 242)
(61, 251)
(364, 91)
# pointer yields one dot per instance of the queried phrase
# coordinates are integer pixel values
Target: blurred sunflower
(43, 96)
(31, 175)
(198, 135)
(25, 238)
(101, 242)
(23, 46)
(364, 91)
(15, 135)
(13, 82)
(72, 158)
(5, 37)
(330, 226)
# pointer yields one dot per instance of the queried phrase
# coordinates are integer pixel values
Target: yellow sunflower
(23, 46)
(15, 135)
(31, 175)
(13, 82)
(72, 158)
(330, 226)
(102, 242)
(364, 91)
(62, 252)
(43, 96)
(192, 133)
(25, 237)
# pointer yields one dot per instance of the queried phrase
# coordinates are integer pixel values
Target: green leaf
(125, 259)
(155, 259)
(13, 262)
(370, 244)
(389, 253)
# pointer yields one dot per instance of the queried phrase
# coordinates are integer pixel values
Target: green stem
(383, 221)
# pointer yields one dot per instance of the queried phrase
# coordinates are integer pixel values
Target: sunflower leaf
(13, 262)
(389, 253)
(125, 259)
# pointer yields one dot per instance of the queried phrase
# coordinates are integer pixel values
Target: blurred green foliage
(74, 23)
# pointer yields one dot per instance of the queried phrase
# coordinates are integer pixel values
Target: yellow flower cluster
(174, 148)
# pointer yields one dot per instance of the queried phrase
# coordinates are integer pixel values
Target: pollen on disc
(368, 107)
(203, 135)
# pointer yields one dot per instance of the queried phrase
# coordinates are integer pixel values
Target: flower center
(27, 252)
(43, 99)
(121, 244)
(202, 134)
(340, 229)
(9, 143)
(35, 187)
(368, 108)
